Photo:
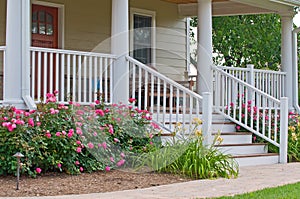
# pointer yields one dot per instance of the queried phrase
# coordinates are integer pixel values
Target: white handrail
(168, 101)
(250, 107)
(72, 52)
(78, 76)
(268, 81)
(2, 48)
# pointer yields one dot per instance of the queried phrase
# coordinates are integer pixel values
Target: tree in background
(246, 39)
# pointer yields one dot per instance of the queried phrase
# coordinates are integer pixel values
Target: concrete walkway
(250, 179)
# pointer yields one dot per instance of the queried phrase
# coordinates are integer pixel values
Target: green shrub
(69, 138)
(189, 157)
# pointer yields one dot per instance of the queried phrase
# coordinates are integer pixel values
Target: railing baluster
(146, 91)
(140, 89)
(51, 73)
(95, 94)
(74, 77)
(68, 75)
(33, 74)
(79, 77)
(106, 79)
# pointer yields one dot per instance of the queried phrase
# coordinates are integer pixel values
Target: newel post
(250, 80)
(207, 118)
(284, 104)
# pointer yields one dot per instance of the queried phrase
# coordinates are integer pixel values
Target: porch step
(257, 159)
(235, 137)
(243, 149)
(237, 144)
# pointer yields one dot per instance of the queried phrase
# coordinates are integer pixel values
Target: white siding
(170, 37)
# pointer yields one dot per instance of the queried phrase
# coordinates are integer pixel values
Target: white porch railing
(252, 109)
(168, 101)
(268, 81)
(77, 76)
(2, 65)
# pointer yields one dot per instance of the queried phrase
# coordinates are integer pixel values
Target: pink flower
(78, 142)
(55, 92)
(99, 112)
(131, 100)
(31, 122)
(231, 104)
(81, 169)
(121, 162)
(64, 132)
(78, 150)
(104, 145)
(95, 134)
(107, 168)
(78, 131)
(122, 155)
(77, 162)
(238, 128)
(48, 134)
(97, 101)
(53, 111)
(59, 165)
(112, 159)
(151, 143)
(70, 133)
(116, 140)
(90, 145)
(57, 134)
(38, 123)
(38, 170)
(110, 129)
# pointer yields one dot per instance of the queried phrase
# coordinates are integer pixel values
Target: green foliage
(247, 39)
(190, 157)
(70, 138)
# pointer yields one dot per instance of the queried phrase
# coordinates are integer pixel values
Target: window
(42, 23)
(142, 38)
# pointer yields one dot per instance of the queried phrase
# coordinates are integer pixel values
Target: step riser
(243, 150)
(223, 128)
(172, 118)
(252, 161)
(236, 139)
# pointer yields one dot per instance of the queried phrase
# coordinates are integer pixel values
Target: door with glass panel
(44, 34)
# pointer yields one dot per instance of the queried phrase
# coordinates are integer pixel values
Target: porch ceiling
(235, 7)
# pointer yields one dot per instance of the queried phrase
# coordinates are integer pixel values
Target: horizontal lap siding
(86, 24)
(170, 37)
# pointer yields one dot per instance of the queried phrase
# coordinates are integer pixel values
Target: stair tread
(255, 155)
(245, 144)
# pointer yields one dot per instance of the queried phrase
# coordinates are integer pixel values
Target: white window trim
(61, 20)
(148, 13)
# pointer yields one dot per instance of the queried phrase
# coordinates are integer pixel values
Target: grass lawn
(291, 191)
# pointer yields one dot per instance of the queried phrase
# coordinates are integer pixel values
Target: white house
(116, 49)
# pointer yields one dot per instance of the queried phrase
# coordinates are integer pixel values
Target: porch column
(204, 56)
(120, 48)
(286, 55)
(17, 69)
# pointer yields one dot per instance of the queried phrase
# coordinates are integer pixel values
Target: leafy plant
(190, 157)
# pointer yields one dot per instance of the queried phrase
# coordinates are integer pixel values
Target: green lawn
(291, 191)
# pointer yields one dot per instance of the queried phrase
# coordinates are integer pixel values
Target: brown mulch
(52, 184)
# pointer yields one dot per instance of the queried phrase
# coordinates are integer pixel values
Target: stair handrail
(252, 109)
(153, 89)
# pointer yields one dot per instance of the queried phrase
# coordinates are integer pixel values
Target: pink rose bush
(72, 138)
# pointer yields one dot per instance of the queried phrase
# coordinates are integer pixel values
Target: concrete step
(257, 159)
(243, 149)
(236, 137)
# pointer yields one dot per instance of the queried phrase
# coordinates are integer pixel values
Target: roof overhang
(238, 7)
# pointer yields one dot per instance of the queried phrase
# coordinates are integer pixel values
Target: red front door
(44, 33)
(44, 26)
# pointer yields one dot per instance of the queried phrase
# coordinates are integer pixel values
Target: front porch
(107, 63)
